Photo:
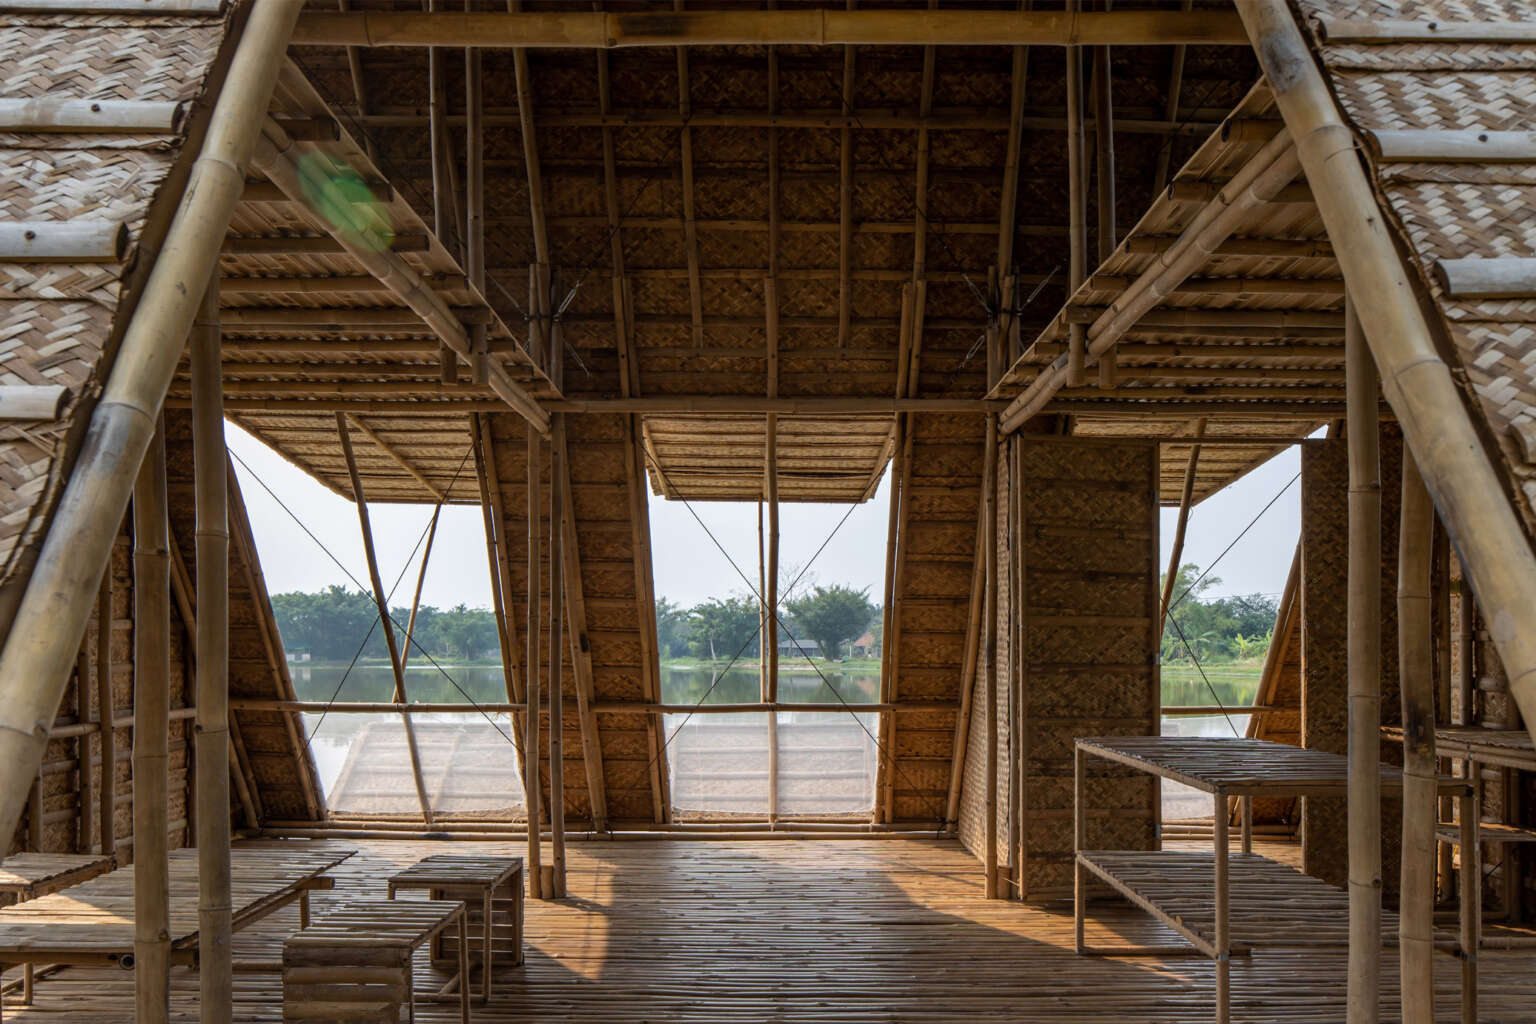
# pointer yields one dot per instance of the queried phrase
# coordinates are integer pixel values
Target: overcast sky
(688, 565)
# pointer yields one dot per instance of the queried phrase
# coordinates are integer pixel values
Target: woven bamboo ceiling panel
(58, 319)
(722, 458)
(1467, 208)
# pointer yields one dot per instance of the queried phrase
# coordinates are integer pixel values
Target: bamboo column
(531, 784)
(1185, 500)
(214, 928)
(50, 620)
(1416, 938)
(85, 825)
(989, 626)
(106, 710)
(769, 640)
(1466, 636)
(1364, 613)
(381, 602)
(1104, 151)
(151, 738)
(556, 661)
(1077, 215)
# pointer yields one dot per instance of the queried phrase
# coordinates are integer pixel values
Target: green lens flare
(344, 200)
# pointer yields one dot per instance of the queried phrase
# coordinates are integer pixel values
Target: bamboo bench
(353, 963)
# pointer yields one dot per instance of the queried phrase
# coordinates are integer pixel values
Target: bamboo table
(92, 922)
(1167, 884)
(26, 876)
(491, 882)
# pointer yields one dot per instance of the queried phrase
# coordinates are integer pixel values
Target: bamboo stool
(491, 889)
(26, 876)
(353, 963)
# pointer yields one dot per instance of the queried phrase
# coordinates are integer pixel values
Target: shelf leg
(1471, 903)
(1245, 804)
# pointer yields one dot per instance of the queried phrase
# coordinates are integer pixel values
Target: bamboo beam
(1008, 205)
(214, 922)
(1416, 913)
(1364, 682)
(532, 785)
(399, 459)
(151, 738)
(68, 241)
(845, 200)
(281, 162)
(750, 404)
(581, 650)
(557, 516)
(50, 619)
(949, 27)
(381, 602)
(1418, 383)
(308, 245)
(1171, 111)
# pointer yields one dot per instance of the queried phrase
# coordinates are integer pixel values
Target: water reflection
(690, 684)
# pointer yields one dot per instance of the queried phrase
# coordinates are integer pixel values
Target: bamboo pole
(1185, 499)
(85, 839)
(214, 926)
(105, 711)
(497, 548)
(421, 580)
(151, 738)
(989, 627)
(830, 27)
(968, 670)
(556, 661)
(770, 640)
(50, 620)
(1466, 637)
(1364, 656)
(1077, 215)
(1416, 911)
(1104, 152)
(1417, 381)
(381, 602)
(535, 626)
(580, 646)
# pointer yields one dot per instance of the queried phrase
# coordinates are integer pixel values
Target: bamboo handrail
(50, 619)
(952, 27)
(1417, 382)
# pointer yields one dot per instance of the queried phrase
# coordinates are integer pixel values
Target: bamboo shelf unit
(1198, 895)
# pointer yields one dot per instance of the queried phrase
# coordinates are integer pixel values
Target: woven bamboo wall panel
(1085, 678)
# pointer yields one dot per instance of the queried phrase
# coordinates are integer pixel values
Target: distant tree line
(720, 629)
(1216, 629)
(331, 624)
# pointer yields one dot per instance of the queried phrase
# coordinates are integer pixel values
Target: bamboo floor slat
(825, 931)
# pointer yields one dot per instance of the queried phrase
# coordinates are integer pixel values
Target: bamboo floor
(832, 930)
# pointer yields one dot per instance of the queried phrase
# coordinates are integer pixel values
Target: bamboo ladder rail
(381, 602)
(50, 619)
(1416, 909)
(1364, 670)
(151, 738)
(1417, 381)
(211, 497)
